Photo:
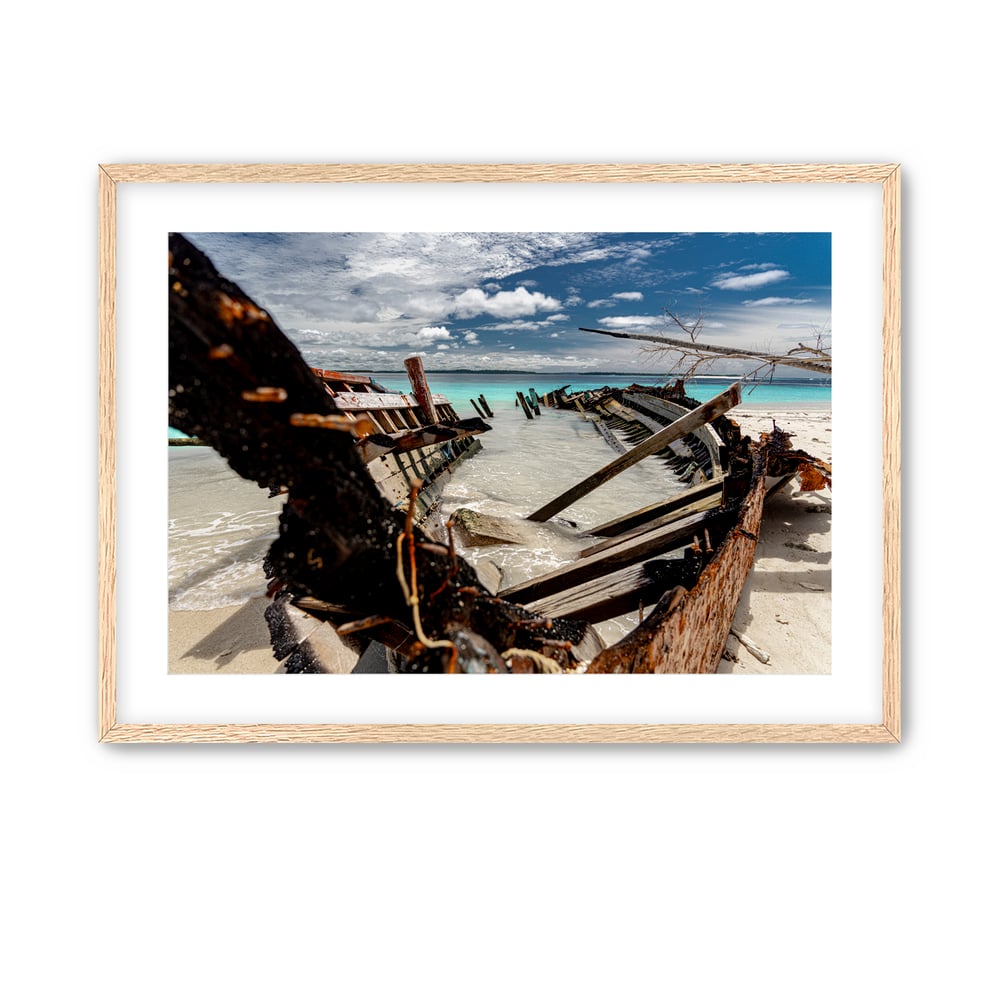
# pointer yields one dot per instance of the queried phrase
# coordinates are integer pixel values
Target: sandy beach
(785, 610)
(786, 606)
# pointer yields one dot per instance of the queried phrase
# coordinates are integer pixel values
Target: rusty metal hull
(686, 631)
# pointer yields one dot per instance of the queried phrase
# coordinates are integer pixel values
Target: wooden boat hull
(686, 631)
(350, 550)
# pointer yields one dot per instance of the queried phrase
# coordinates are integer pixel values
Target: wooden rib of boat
(359, 585)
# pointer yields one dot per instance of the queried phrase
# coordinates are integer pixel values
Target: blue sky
(482, 300)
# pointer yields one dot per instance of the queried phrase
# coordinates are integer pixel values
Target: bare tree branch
(693, 355)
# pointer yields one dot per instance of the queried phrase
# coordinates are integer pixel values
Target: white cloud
(758, 266)
(730, 281)
(512, 325)
(507, 303)
(434, 334)
(470, 337)
(597, 304)
(557, 318)
(626, 296)
(774, 301)
(626, 322)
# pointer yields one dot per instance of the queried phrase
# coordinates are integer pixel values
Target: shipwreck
(360, 573)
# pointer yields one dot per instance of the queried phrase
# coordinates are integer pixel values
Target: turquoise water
(460, 387)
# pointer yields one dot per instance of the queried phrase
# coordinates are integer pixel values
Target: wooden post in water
(415, 369)
(712, 409)
(524, 405)
(534, 401)
(485, 405)
(475, 405)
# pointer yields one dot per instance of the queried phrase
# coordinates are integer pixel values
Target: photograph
(500, 452)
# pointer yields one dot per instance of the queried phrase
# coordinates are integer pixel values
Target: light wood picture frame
(885, 730)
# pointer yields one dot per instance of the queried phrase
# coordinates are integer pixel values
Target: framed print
(499, 453)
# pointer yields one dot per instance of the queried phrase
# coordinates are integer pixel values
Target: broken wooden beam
(421, 390)
(620, 592)
(694, 419)
(524, 405)
(475, 405)
(695, 507)
(655, 543)
(650, 512)
(378, 444)
(485, 405)
(345, 378)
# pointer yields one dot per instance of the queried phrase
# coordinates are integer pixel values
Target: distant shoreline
(820, 383)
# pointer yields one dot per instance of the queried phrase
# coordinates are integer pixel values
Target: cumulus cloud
(774, 301)
(626, 296)
(428, 335)
(505, 304)
(598, 304)
(470, 337)
(730, 281)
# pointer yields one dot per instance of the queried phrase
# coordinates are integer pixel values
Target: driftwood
(810, 359)
(239, 384)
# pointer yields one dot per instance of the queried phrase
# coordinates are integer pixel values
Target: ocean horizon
(502, 386)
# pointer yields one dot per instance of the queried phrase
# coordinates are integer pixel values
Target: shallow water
(220, 525)
(219, 528)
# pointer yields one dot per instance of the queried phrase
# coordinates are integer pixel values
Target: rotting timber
(355, 576)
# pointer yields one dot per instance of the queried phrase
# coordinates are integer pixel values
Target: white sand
(787, 604)
(231, 640)
(785, 609)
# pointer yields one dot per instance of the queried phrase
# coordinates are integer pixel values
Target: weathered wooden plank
(687, 631)
(346, 378)
(362, 401)
(705, 504)
(524, 405)
(485, 405)
(379, 444)
(693, 420)
(671, 504)
(655, 543)
(475, 405)
(421, 390)
(619, 593)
